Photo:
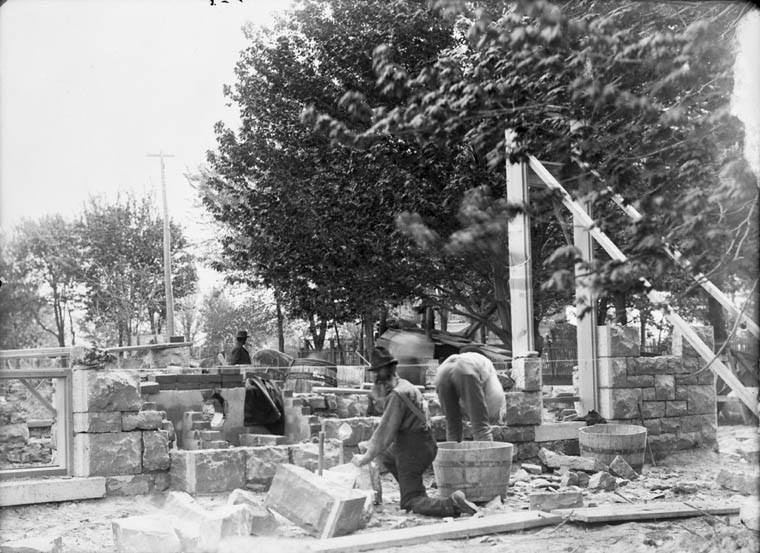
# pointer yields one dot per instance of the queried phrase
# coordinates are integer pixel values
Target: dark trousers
(407, 459)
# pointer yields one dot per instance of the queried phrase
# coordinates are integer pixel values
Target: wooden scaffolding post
(586, 326)
(520, 280)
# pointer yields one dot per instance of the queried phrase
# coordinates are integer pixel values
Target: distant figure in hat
(239, 355)
(468, 381)
(404, 442)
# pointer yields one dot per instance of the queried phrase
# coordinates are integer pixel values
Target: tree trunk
(368, 330)
(280, 327)
(444, 319)
(717, 319)
(621, 316)
(383, 324)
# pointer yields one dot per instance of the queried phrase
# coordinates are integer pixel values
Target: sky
(89, 87)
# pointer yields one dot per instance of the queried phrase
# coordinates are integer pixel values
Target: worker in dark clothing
(239, 355)
(404, 442)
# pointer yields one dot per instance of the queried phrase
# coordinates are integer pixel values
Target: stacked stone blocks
(672, 396)
(113, 436)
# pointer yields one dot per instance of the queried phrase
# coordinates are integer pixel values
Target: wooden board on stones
(509, 522)
(314, 503)
(647, 511)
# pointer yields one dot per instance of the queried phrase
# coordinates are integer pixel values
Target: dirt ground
(85, 526)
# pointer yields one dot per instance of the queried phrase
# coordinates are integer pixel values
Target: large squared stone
(207, 470)
(619, 403)
(513, 434)
(109, 421)
(523, 408)
(675, 408)
(261, 464)
(612, 372)
(681, 346)
(648, 366)
(652, 409)
(156, 450)
(108, 454)
(105, 390)
(665, 386)
(145, 533)
(129, 485)
(142, 420)
(306, 455)
(617, 341)
(361, 428)
(699, 399)
(526, 372)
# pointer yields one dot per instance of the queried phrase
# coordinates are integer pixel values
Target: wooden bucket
(606, 441)
(479, 469)
(305, 373)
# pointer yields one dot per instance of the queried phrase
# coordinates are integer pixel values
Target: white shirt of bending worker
(468, 381)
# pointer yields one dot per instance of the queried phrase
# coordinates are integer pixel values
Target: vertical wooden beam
(520, 280)
(586, 328)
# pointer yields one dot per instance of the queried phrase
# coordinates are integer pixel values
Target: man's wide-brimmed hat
(381, 358)
(242, 334)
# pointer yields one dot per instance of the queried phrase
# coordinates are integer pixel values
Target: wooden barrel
(606, 441)
(305, 373)
(479, 469)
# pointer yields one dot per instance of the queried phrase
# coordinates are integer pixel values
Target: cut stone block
(207, 470)
(699, 399)
(550, 432)
(619, 403)
(27, 492)
(672, 425)
(639, 381)
(531, 468)
(619, 467)
(104, 390)
(555, 461)
(652, 409)
(602, 481)
(511, 434)
(148, 405)
(617, 341)
(194, 420)
(156, 450)
(307, 455)
(129, 485)
(548, 501)
(694, 374)
(149, 388)
(612, 372)
(746, 482)
(109, 421)
(145, 534)
(142, 420)
(361, 429)
(33, 545)
(665, 386)
(261, 464)
(653, 426)
(253, 440)
(109, 454)
(526, 372)
(682, 347)
(314, 504)
(675, 408)
(648, 366)
(523, 408)
(263, 523)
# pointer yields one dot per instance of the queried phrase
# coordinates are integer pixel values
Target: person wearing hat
(239, 355)
(404, 442)
(468, 381)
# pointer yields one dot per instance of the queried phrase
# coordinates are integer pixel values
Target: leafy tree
(18, 301)
(224, 312)
(45, 255)
(122, 268)
(313, 220)
(630, 96)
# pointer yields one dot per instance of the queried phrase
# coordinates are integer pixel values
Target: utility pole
(167, 251)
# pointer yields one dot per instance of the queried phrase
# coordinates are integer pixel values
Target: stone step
(253, 440)
(207, 435)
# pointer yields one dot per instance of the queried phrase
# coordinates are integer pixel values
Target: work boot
(462, 505)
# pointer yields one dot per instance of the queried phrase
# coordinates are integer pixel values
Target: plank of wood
(645, 511)
(509, 522)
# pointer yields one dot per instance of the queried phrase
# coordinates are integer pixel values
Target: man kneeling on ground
(404, 443)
